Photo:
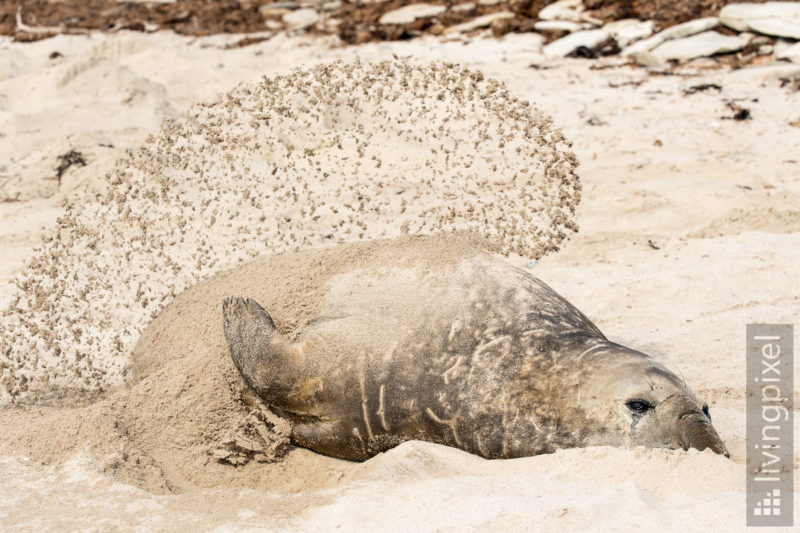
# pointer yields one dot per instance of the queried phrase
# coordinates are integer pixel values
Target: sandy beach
(689, 229)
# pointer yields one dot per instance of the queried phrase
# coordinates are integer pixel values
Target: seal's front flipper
(334, 438)
(267, 363)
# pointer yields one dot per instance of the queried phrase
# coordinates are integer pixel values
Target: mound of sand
(339, 153)
(187, 419)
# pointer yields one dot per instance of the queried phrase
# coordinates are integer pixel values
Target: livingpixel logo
(770, 430)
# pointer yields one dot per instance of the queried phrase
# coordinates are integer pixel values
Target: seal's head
(635, 401)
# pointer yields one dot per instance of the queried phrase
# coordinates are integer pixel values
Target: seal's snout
(697, 432)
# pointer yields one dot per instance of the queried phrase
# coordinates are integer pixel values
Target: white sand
(719, 198)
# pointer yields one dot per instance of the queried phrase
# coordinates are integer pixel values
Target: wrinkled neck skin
(605, 378)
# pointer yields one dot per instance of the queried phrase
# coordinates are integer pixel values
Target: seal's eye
(639, 406)
(705, 412)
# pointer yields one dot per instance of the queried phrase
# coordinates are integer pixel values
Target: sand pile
(187, 419)
(338, 153)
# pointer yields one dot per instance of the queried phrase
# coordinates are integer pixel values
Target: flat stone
(408, 14)
(792, 53)
(480, 22)
(686, 29)
(488, 2)
(566, 45)
(557, 25)
(287, 4)
(780, 19)
(563, 10)
(646, 58)
(463, 7)
(302, 18)
(704, 44)
(776, 27)
(627, 31)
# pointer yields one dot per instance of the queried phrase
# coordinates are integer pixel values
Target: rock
(646, 59)
(284, 4)
(566, 45)
(278, 9)
(765, 49)
(408, 14)
(557, 25)
(777, 27)
(676, 32)
(488, 2)
(704, 44)
(480, 22)
(791, 53)
(570, 10)
(780, 19)
(302, 18)
(463, 7)
(501, 27)
(331, 6)
(627, 31)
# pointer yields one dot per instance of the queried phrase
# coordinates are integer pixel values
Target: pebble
(646, 58)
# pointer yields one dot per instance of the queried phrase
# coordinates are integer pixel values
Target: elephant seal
(481, 356)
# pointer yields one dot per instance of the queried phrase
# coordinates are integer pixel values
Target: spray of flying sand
(338, 153)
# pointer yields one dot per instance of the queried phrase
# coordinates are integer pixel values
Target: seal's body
(483, 357)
